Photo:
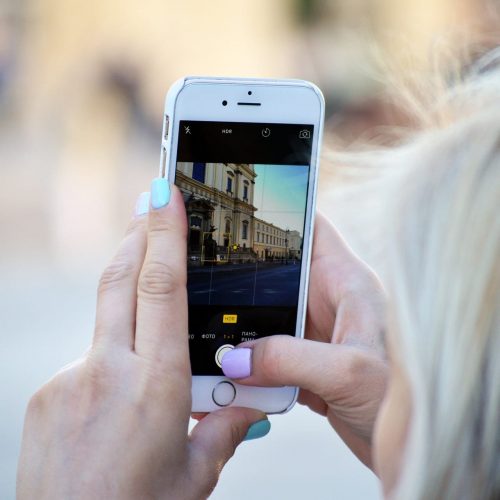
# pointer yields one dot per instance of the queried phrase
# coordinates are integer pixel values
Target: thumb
(281, 360)
(215, 438)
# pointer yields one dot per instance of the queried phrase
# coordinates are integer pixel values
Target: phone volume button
(163, 162)
(166, 123)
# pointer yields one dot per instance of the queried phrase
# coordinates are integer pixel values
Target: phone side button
(166, 122)
(224, 393)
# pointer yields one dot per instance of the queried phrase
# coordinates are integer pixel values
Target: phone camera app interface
(245, 188)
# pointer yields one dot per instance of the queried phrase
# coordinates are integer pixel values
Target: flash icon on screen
(230, 318)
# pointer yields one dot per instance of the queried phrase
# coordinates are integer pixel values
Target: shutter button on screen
(220, 353)
(223, 393)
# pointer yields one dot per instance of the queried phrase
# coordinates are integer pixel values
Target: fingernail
(258, 429)
(160, 192)
(142, 204)
(236, 363)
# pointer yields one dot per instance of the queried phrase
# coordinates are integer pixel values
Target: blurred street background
(82, 84)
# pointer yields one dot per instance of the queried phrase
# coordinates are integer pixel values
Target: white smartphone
(244, 153)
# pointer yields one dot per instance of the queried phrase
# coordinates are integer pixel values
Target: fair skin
(391, 427)
(340, 366)
(115, 423)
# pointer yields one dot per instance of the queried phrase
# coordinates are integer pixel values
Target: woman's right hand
(340, 367)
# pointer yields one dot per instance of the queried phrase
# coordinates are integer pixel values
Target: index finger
(347, 297)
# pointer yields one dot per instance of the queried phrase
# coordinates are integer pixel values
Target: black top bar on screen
(229, 142)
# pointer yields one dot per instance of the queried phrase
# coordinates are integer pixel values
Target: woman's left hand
(115, 423)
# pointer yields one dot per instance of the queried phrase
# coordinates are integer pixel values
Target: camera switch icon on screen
(304, 134)
(230, 318)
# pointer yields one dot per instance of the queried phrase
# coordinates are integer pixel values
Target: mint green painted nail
(258, 429)
(160, 192)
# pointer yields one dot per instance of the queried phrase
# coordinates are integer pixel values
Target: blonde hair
(439, 195)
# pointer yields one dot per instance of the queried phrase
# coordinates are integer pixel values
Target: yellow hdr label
(230, 318)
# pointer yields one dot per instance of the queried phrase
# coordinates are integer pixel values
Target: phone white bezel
(282, 101)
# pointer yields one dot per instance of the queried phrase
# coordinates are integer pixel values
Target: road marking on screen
(230, 318)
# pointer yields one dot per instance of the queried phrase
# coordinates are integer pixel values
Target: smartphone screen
(245, 188)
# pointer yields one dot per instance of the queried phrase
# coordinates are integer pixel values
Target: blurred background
(82, 84)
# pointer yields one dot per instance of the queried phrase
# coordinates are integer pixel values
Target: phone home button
(224, 393)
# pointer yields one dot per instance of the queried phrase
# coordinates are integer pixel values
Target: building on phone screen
(223, 228)
(270, 241)
(294, 245)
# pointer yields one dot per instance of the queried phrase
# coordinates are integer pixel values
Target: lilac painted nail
(237, 363)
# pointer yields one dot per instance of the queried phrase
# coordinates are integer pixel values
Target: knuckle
(37, 401)
(101, 379)
(167, 385)
(106, 371)
(355, 368)
(158, 279)
(160, 226)
(364, 285)
(235, 437)
(114, 274)
(99, 365)
(271, 358)
(135, 225)
(48, 395)
(234, 434)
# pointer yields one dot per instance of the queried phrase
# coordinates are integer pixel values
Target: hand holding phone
(340, 367)
(114, 423)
